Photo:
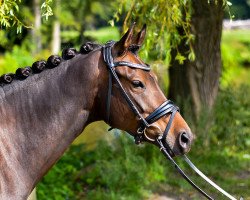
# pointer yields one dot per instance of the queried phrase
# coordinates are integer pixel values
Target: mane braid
(88, 47)
(23, 73)
(52, 62)
(69, 53)
(38, 66)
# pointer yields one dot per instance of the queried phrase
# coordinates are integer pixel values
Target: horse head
(144, 97)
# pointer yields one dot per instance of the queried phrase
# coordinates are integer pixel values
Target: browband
(132, 65)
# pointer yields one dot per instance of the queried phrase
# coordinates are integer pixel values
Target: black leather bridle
(167, 108)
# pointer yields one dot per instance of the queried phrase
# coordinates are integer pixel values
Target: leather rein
(167, 108)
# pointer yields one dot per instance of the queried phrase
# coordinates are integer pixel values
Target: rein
(168, 107)
(182, 173)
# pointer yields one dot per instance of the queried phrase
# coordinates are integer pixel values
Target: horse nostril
(184, 141)
(184, 138)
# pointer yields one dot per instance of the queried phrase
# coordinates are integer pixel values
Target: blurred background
(200, 50)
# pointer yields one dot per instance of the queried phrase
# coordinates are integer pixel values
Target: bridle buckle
(141, 132)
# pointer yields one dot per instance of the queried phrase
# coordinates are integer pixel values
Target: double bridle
(167, 108)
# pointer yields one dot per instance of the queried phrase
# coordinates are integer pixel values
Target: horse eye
(138, 84)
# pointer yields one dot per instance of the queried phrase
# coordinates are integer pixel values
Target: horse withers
(45, 107)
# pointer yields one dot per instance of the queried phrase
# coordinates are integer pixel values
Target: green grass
(236, 57)
(232, 36)
(102, 35)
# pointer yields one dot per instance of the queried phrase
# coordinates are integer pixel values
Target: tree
(36, 34)
(9, 13)
(56, 37)
(198, 80)
(190, 33)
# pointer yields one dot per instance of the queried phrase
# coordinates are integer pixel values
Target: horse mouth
(170, 147)
(175, 146)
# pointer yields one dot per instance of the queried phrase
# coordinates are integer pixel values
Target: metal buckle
(148, 138)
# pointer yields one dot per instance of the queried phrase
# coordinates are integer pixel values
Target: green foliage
(239, 9)
(232, 105)
(20, 56)
(8, 18)
(114, 171)
(122, 170)
(235, 58)
(164, 20)
(102, 35)
(232, 108)
(4, 41)
(46, 9)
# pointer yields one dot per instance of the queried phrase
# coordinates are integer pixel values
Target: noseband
(167, 107)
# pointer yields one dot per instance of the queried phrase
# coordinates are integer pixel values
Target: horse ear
(140, 36)
(125, 41)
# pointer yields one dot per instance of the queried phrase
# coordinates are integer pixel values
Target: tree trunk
(36, 34)
(56, 37)
(198, 80)
(85, 10)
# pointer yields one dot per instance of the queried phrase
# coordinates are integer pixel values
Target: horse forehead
(130, 57)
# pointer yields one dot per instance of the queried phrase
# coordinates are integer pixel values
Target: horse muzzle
(176, 146)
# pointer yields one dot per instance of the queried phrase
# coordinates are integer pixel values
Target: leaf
(19, 28)
(180, 58)
(16, 7)
(229, 3)
(191, 56)
(43, 5)
(11, 12)
(111, 22)
(46, 9)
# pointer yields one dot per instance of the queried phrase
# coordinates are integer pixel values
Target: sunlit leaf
(111, 22)
(229, 3)
(180, 58)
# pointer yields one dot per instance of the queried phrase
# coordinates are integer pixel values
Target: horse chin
(171, 149)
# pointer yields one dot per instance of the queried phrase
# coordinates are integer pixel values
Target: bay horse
(43, 108)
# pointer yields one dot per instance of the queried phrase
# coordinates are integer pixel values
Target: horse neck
(41, 116)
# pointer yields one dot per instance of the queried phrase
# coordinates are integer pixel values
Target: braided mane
(52, 62)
